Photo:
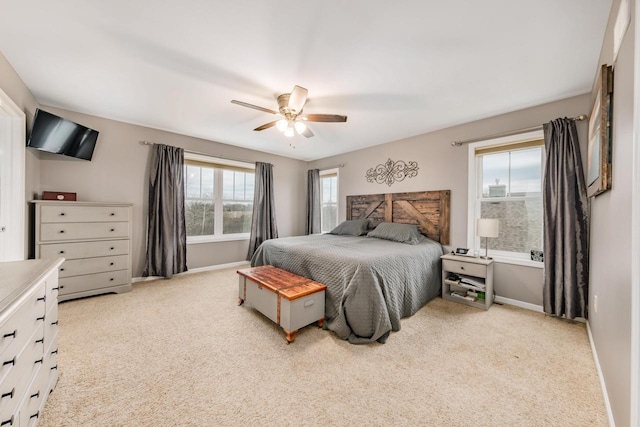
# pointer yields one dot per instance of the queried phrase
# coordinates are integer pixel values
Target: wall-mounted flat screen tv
(61, 136)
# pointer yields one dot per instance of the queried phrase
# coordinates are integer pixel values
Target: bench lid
(284, 283)
(272, 278)
(302, 290)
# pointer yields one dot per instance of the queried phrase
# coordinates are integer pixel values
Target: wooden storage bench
(289, 300)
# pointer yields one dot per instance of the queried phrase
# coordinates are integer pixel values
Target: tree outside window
(218, 199)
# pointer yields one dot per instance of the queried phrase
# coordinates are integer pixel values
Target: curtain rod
(509, 133)
(204, 154)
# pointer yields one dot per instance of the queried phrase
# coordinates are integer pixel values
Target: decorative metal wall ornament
(391, 171)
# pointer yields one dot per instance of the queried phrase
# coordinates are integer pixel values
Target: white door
(12, 170)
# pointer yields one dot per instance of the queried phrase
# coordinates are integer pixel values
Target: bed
(371, 282)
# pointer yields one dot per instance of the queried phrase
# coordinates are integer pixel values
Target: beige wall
(610, 258)
(13, 86)
(119, 172)
(443, 167)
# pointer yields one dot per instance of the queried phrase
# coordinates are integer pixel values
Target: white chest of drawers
(95, 240)
(28, 338)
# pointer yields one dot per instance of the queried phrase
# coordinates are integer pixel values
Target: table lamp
(486, 228)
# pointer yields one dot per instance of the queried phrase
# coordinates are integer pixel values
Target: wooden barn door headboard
(429, 210)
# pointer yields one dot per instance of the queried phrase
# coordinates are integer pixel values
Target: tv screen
(61, 136)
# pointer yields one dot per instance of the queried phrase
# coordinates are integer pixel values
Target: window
(218, 198)
(329, 200)
(505, 183)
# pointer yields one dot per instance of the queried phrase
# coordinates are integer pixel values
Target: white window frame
(336, 172)
(473, 241)
(218, 236)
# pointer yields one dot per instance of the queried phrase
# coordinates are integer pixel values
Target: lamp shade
(486, 227)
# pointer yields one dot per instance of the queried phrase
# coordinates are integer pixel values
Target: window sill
(195, 240)
(518, 261)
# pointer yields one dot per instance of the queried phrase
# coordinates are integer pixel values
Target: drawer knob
(11, 334)
(61, 252)
(61, 231)
(8, 422)
(40, 318)
(113, 229)
(35, 415)
(41, 340)
(62, 213)
(112, 214)
(10, 362)
(43, 299)
(38, 361)
(462, 267)
(111, 263)
(54, 367)
(55, 351)
(61, 286)
(112, 248)
(111, 280)
(36, 395)
(62, 269)
(9, 394)
(55, 289)
(54, 323)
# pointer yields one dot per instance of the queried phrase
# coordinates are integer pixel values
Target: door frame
(635, 230)
(12, 180)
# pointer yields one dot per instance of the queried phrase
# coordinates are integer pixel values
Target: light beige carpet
(181, 352)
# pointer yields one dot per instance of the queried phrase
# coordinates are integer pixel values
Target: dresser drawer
(70, 285)
(468, 268)
(76, 267)
(83, 230)
(20, 374)
(15, 331)
(71, 213)
(40, 387)
(74, 250)
(51, 329)
(51, 291)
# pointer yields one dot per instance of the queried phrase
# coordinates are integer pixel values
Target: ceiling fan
(290, 107)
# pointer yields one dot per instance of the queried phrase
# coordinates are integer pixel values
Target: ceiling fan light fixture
(300, 127)
(288, 132)
(282, 125)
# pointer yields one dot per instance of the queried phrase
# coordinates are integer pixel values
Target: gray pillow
(352, 227)
(403, 233)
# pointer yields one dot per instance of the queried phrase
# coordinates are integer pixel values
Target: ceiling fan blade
(307, 133)
(297, 99)
(255, 107)
(266, 125)
(324, 118)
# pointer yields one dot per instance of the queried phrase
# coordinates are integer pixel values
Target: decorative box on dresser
(95, 240)
(28, 338)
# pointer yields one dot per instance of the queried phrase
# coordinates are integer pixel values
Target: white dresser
(28, 338)
(95, 240)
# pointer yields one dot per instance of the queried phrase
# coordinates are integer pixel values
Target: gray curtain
(263, 221)
(313, 225)
(166, 230)
(566, 223)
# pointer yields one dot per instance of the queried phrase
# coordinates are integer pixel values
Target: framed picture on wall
(599, 148)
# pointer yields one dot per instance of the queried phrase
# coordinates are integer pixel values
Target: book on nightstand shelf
(466, 282)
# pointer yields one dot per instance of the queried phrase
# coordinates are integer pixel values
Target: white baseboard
(195, 270)
(520, 304)
(603, 385)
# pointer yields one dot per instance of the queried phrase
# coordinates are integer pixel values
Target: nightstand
(467, 280)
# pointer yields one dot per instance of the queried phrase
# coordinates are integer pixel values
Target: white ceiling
(396, 69)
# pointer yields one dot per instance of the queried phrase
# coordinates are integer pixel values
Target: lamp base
(486, 249)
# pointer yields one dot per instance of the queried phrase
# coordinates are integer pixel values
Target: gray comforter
(371, 283)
